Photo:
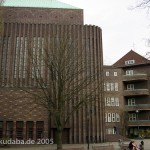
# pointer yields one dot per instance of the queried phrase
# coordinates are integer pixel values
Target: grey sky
(123, 29)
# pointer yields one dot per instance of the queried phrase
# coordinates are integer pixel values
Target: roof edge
(38, 4)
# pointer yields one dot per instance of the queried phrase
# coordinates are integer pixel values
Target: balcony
(139, 123)
(135, 77)
(136, 92)
(137, 107)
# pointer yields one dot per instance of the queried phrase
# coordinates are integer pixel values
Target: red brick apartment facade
(132, 75)
(18, 117)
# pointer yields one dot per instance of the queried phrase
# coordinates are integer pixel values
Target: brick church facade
(19, 117)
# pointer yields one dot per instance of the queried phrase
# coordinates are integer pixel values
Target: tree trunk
(59, 139)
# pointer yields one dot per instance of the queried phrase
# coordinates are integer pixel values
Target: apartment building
(26, 21)
(113, 99)
(133, 94)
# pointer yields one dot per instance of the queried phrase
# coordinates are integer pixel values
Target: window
(20, 57)
(39, 129)
(25, 57)
(116, 86)
(115, 74)
(110, 131)
(4, 56)
(107, 86)
(38, 57)
(132, 116)
(111, 101)
(130, 86)
(111, 86)
(109, 117)
(131, 101)
(129, 72)
(9, 129)
(117, 101)
(117, 117)
(107, 73)
(105, 117)
(112, 117)
(129, 62)
(29, 129)
(19, 129)
(107, 100)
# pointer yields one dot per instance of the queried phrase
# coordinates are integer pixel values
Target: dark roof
(131, 55)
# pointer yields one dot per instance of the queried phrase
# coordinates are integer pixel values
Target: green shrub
(5, 139)
(147, 133)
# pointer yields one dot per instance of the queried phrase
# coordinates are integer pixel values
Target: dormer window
(129, 62)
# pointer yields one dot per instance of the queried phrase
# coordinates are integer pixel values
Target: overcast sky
(123, 29)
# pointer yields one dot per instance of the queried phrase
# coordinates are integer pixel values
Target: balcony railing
(139, 123)
(137, 107)
(135, 77)
(135, 92)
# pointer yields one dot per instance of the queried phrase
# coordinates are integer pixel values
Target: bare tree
(147, 56)
(63, 81)
(1, 16)
(143, 4)
(124, 121)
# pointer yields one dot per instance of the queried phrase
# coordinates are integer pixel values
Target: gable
(131, 58)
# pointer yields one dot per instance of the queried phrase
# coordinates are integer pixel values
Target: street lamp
(137, 112)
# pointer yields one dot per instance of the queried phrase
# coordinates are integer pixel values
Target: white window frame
(116, 86)
(107, 73)
(113, 101)
(129, 62)
(117, 101)
(132, 116)
(113, 118)
(107, 86)
(131, 101)
(117, 117)
(108, 102)
(105, 117)
(109, 117)
(130, 87)
(129, 72)
(110, 130)
(115, 73)
(112, 87)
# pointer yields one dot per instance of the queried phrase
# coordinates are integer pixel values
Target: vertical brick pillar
(46, 128)
(14, 130)
(34, 130)
(24, 130)
(4, 128)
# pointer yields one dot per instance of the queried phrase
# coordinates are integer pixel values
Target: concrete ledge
(124, 146)
(109, 147)
(80, 148)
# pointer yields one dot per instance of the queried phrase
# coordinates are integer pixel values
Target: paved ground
(53, 147)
